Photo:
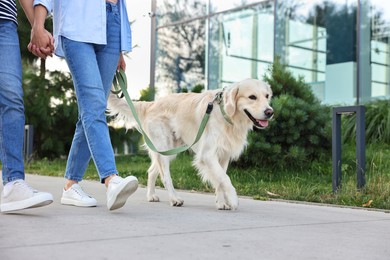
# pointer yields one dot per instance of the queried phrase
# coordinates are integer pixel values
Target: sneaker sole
(77, 203)
(127, 187)
(34, 202)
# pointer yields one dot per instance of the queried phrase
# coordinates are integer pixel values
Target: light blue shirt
(84, 21)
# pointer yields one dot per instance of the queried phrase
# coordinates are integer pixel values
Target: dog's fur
(174, 120)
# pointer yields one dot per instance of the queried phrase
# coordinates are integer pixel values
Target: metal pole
(360, 145)
(28, 142)
(336, 150)
(153, 47)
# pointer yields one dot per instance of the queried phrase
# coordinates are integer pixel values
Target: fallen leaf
(272, 194)
(368, 203)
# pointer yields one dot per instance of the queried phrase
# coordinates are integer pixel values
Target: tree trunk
(42, 70)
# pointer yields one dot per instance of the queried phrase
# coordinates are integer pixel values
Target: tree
(51, 108)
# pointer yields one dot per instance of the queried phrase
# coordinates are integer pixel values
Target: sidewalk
(145, 230)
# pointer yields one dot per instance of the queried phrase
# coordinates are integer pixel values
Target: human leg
(118, 189)
(106, 57)
(92, 105)
(90, 101)
(92, 134)
(11, 104)
(17, 194)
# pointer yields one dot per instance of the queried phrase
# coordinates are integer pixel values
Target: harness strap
(121, 80)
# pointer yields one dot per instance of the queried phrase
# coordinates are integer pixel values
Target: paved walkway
(144, 230)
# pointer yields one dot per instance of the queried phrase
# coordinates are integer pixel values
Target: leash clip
(210, 107)
(218, 97)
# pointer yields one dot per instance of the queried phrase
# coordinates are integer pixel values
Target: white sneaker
(119, 190)
(19, 195)
(76, 196)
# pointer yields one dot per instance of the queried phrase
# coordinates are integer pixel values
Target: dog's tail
(120, 110)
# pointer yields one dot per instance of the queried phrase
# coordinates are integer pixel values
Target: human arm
(41, 42)
(28, 9)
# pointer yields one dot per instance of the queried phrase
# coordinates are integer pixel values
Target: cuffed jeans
(93, 67)
(11, 104)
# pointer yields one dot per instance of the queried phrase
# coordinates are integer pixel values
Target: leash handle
(121, 80)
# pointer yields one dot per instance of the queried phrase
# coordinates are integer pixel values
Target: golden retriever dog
(174, 120)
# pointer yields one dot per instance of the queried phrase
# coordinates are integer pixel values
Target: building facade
(341, 48)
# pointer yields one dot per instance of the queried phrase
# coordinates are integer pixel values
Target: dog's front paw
(153, 198)
(177, 202)
(232, 201)
(231, 204)
(223, 206)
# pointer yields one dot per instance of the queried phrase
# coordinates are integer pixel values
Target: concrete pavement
(145, 230)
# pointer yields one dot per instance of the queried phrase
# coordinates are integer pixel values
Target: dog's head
(250, 98)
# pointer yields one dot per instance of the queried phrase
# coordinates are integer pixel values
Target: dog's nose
(269, 112)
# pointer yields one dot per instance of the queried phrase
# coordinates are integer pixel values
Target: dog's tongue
(263, 123)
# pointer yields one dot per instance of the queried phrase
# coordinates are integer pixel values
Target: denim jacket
(79, 20)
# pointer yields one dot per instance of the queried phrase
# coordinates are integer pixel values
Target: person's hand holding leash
(121, 63)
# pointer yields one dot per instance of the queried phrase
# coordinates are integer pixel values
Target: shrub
(300, 130)
(377, 123)
(51, 108)
(197, 88)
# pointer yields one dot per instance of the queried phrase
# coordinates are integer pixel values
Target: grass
(311, 183)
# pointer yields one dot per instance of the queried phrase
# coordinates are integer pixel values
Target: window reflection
(340, 48)
(169, 12)
(380, 49)
(241, 44)
(180, 61)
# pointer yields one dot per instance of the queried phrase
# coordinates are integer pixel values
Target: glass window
(340, 48)
(169, 11)
(220, 6)
(380, 49)
(317, 41)
(240, 44)
(180, 57)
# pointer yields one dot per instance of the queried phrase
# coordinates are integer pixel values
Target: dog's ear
(231, 99)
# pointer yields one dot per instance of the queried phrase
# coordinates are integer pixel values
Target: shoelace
(24, 186)
(81, 192)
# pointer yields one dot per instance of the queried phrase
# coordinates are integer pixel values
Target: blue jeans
(11, 104)
(93, 68)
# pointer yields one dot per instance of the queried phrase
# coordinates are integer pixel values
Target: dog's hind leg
(164, 162)
(163, 137)
(151, 188)
(160, 165)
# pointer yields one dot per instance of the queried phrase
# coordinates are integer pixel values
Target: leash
(219, 99)
(121, 80)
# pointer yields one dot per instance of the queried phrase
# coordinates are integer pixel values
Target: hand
(121, 63)
(41, 42)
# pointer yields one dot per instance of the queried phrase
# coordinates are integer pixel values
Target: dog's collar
(219, 99)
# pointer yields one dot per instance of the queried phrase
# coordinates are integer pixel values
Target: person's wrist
(38, 28)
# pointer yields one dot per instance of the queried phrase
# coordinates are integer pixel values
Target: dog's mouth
(257, 123)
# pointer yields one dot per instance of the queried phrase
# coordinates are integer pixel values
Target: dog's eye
(253, 97)
(267, 96)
